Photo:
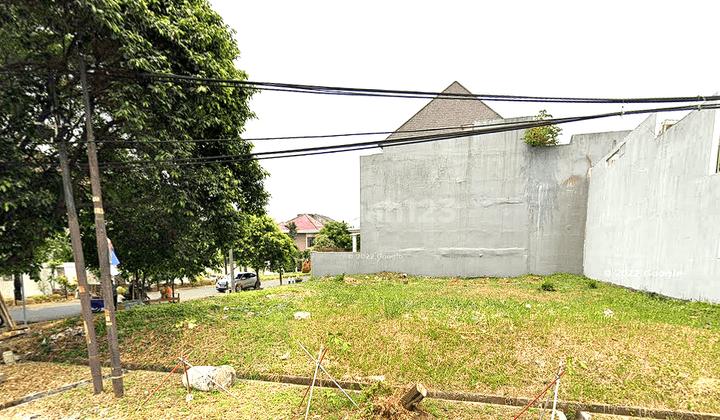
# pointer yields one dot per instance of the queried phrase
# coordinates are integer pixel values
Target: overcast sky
(550, 48)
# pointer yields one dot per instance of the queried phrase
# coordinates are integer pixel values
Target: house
(307, 225)
(484, 205)
(653, 218)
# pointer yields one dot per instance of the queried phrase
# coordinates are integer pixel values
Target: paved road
(52, 311)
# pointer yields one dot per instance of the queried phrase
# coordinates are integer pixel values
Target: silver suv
(243, 281)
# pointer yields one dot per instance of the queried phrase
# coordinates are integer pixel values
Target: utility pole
(78, 256)
(102, 244)
(232, 273)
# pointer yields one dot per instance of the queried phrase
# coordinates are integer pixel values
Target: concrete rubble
(202, 377)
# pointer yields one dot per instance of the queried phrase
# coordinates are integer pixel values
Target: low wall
(445, 263)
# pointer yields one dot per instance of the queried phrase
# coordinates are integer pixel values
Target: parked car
(243, 281)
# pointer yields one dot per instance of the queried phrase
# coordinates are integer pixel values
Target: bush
(542, 136)
(547, 285)
(44, 298)
(592, 284)
(65, 284)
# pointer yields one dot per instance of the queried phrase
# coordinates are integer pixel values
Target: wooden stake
(187, 377)
(413, 396)
(78, 256)
(102, 242)
(5, 313)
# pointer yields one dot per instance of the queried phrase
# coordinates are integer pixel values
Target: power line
(488, 129)
(307, 137)
(485, 129)
(394, 93)
(320, 150)
(390, 93)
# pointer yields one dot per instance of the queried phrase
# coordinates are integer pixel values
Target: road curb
(38, 395)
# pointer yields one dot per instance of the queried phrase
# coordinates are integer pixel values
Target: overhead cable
(480, 130)
(394, 93)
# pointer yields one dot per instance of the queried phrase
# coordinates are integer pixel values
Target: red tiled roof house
(308, 225)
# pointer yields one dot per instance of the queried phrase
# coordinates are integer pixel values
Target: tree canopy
(262, 244)
(170, 202)
(334, 235)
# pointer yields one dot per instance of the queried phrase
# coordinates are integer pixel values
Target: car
(243, 281)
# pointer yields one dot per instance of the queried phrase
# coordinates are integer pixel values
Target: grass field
(501, 336)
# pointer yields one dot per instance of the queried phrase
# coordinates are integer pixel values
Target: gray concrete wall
(654, 211)
(480, 206)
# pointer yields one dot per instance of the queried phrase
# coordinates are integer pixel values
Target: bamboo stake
(330, 376)
(312, 385)
(557, 378)
(187, 378)
(158, 387)
(308, 389)
(557, 387)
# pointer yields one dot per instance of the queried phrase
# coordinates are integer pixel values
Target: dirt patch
(389, 408)
(707, 386)
(352, 281)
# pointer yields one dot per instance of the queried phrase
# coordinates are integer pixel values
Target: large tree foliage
(170, 204)
(334, 235)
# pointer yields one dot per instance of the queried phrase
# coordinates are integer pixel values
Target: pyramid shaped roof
(441, 112)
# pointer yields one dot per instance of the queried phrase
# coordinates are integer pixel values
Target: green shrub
(547, 285)
(542, 136)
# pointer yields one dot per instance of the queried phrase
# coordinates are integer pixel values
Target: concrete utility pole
(231, 283)
(102, 244)
(78, 256)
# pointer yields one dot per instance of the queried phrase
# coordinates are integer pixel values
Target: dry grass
(31, 377)
(257, 400)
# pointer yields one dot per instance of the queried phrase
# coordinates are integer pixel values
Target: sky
(618, 49)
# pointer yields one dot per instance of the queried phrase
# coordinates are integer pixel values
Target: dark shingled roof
(440, 113)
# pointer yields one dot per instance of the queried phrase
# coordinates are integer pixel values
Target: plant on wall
(542, 136)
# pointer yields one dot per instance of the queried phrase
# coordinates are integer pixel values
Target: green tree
(546, 135)
(264, 245)
(55, 251)
(292, 230)
(334, 235)
(167, 215)
(280, 252)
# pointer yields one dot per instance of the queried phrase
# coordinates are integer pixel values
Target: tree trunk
(414, 395)
(17, 284)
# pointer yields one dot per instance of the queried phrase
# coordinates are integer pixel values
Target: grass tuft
(548, 285)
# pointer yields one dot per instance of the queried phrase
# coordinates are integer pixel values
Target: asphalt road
(52, 311)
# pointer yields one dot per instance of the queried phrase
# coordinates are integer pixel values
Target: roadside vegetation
(502, 336)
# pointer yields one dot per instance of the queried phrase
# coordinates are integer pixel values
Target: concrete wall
(480, 206)
(32, 288)
(654, 211)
